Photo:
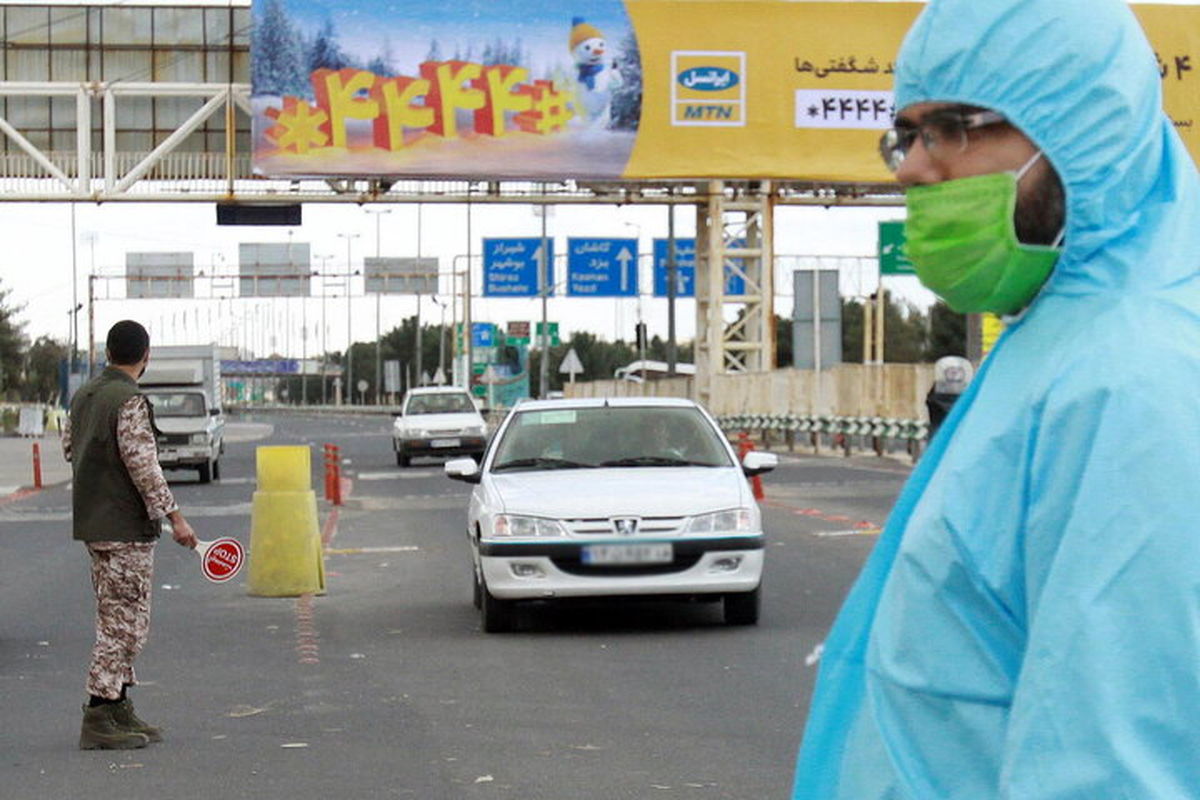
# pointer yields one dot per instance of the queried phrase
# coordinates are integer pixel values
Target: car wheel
(205, 471)
(742, 608)
(498, 616)
(216, 470)
(401, 460)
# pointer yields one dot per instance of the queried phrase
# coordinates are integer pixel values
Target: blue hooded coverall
(1028, 625)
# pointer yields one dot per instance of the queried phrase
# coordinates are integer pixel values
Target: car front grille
(173, 438)
(604, 526)
(574, 566)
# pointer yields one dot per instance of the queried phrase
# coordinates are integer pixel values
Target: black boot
(100, 731)
(127, 719)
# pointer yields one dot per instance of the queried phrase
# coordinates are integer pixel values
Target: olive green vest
(107, 506)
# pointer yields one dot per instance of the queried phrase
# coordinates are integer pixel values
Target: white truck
(183, 384)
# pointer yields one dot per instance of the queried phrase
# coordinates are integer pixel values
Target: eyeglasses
(942, 132)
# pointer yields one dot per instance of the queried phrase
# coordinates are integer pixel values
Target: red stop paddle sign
(220, 560)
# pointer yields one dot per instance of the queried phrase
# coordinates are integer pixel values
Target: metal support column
(734, 250)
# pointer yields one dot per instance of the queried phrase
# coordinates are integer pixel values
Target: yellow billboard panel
(635, 89)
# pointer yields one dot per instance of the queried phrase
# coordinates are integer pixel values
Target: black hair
(127, 342)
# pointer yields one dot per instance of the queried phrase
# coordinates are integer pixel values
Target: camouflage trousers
(122, 574)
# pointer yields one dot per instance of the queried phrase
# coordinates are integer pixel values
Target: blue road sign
(483, 334)
(685, 270)
(602, 267)
(685, 267)
(510, 266)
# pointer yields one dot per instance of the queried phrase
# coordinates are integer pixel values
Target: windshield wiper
(541, 463)
(654, 461)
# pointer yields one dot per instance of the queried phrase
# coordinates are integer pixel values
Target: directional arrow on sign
(623, 259)
(571, 365)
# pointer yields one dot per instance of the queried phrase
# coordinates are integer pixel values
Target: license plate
(445, 443)
(648, 553)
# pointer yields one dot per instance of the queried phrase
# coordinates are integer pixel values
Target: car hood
(640, 491)
(182, 424)
(459, 420)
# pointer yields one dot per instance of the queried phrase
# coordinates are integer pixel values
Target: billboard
(400, 275)
(274, 269)
(159, 275)
(605, 90)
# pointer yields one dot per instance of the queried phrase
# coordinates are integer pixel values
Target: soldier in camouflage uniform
(120, 499)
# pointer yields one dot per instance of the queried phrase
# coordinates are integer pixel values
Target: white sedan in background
(592, 498)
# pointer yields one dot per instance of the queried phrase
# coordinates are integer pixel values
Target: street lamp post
(378, 301)
(639, 339)
(420, 374)
(349, 237)
(324, 342)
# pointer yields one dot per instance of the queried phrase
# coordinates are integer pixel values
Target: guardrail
(881, 435)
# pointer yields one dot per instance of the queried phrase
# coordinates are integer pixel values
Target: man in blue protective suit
(1028, 625)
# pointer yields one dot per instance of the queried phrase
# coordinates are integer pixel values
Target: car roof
(435, 390)
(597, 402)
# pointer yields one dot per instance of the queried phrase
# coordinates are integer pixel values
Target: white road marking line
(396, 474)
(850, 532)
(353, 551)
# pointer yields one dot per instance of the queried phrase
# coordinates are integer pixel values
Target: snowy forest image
(362, 92)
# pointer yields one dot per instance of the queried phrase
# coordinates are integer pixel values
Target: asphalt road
(386, 687)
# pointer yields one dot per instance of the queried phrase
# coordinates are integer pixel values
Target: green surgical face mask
(963, 243)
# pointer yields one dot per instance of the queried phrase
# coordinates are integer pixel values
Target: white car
(438, 421)
(590, 498)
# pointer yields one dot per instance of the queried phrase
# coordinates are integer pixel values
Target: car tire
(206, 472)
(216, 470)
(743, 608)
(402, 460)
(499, 616)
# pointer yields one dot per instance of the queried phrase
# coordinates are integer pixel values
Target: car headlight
(416, 433)
(518, 526)
(734, 520)
(474, 430)
(199, 438)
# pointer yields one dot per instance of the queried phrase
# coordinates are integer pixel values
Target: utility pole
(544, 291)
(349, 382)
(417, 335)
(378, 303)
(74, 293)
(672, 291)
(324, 330)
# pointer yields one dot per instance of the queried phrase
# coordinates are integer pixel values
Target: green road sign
(554, 341)
(893, 258)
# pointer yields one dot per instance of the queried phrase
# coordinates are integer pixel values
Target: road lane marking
(851, 532)
(354, 551)
(308, 640)
(331, 526)
(395, 474)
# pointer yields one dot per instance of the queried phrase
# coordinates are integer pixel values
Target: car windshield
(609, 436)
(176, 404)
(449, 403)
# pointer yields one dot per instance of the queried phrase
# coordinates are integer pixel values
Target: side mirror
(757, 462)
(463, 469)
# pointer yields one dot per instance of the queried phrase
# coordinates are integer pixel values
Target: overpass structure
(149, 101)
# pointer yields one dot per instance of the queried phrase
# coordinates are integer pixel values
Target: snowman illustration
(595, 75)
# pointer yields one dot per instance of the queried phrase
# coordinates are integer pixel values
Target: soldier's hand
(181, 530)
